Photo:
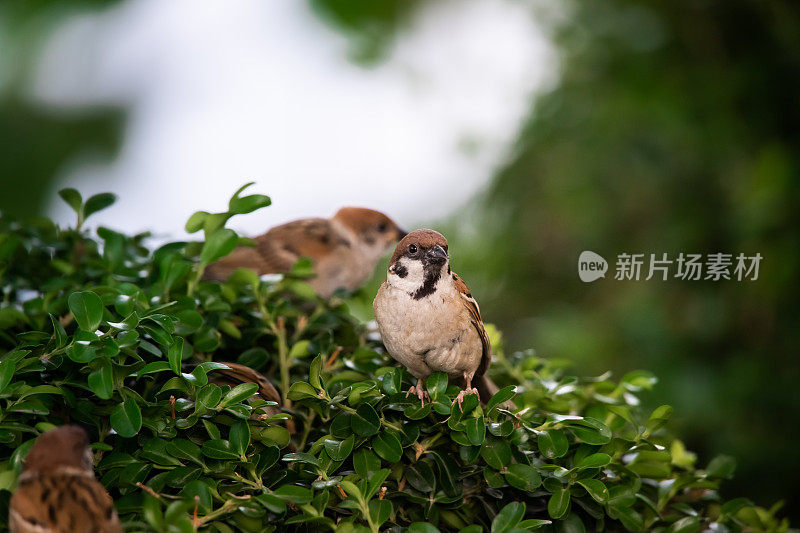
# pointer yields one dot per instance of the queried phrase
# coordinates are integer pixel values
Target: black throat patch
(400, 270)
(432, 274)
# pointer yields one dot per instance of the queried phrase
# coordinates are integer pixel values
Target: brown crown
(361, 219)
(424, 238)
(60, 447)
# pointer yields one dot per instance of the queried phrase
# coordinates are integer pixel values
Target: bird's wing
(61, 503)
(279, 248)
(477, 322)
(282, 246)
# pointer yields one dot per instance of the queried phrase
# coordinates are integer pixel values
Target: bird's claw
(460, 398)
(420, 393)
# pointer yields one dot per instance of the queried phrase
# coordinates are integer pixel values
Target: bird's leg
(420, 391)
(467, 390)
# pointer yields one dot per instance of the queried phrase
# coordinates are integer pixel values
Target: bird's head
(63, 447)
(375, 231)
(419, 261)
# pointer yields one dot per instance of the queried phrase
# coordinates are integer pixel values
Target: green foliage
(669, 130)
(129, 343)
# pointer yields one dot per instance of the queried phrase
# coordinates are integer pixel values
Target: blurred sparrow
(345, 249)
(57, 491)
(428, 319)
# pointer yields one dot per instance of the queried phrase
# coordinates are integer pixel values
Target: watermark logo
(686, 267)
(591, 266)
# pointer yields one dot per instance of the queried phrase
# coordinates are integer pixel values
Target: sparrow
(57, 491)
(345, 249)
(428, 319)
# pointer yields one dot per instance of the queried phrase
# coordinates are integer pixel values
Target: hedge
(98, 330)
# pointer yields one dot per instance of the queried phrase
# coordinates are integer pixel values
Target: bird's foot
(419, 392)
(460, 398)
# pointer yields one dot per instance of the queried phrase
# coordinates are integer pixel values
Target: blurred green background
(673, 127)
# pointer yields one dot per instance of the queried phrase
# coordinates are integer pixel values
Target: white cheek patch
(414, 275)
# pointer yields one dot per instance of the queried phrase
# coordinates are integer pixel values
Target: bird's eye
(412, 249)
(382, 227)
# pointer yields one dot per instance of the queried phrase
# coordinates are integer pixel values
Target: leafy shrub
(102, 332)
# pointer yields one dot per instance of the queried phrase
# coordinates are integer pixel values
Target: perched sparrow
(236, 374)
(428, 319)
(345, 249)
(57, 491)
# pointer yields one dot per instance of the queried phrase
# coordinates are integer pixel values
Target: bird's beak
(436, 255)
(401, 233)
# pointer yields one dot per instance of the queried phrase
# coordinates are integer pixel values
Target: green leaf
(299, 349)
(559, 503)
(175, 355)
(449, 473)
(101, 380)
(553, 443)
(595, 488)
(300, 457)
(209, 396)
(436, 384)
(98, 202)
(314, 371)
(422, 527)
(523, 477)
(219, 244)
(496, 453)
(508, 517)
(365, 421)
(73, 199)
(417, 412)
(219, 449)
(639, 380)
(238, 393)
(339, 450)
(476, 430)
(240, 437)
(503, 395)
(201, 490)
(196, 222)
(375, 482)
(420, 475)
(366, 463)
(533, 523)
(659, 417)
(300, 390)
(721, 466)
(59, 334)
(184, 449)
(126, 418)
(391, 381)
(380, 511)
(387, 446)
(596, 460)
(591, 431)
(247, 204)
(7, 367)
(87, 308)
(293, 493)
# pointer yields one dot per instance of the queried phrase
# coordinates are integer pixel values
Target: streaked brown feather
(62, 503)
(477, 322)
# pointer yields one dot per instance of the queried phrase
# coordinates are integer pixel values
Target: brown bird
(345, 249)
(428, 319)
(57, 491)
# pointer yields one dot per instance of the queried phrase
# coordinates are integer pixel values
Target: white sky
(221, 93)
